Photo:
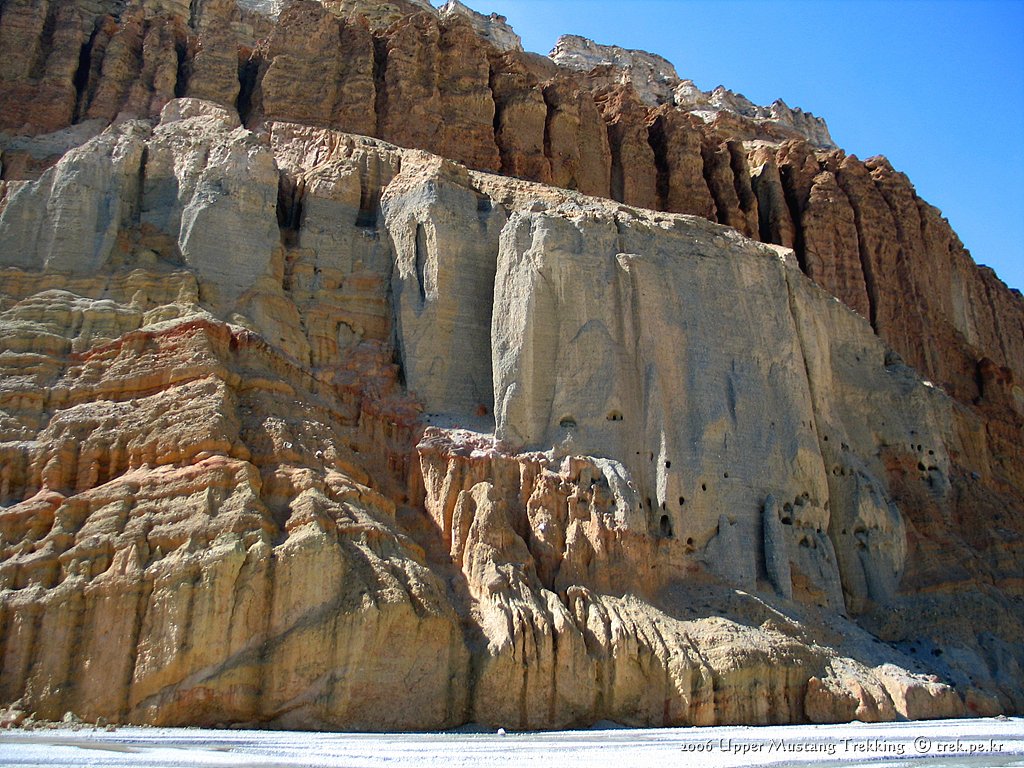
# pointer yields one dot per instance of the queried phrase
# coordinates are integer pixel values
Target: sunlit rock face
(302, 428)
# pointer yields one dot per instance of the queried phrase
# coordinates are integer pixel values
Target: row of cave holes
(568, 422)
(921, 467)
(665, 523)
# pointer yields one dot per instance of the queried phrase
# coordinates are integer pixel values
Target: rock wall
(457, 84)
(454, 448)
(276, 394)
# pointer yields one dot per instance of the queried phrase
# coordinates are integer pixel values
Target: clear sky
(935, 85)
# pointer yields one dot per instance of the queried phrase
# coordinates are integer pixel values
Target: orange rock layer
(224, 333)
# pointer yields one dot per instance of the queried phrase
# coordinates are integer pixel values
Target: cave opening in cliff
(421, 263)
(81, 77)
(290, 193)
(181, 76)
(248, 75)
(369, 199)
(658, 142)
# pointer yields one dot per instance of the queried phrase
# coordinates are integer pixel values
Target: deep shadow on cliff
(307, 429)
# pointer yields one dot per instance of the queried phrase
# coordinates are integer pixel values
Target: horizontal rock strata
(300, 428)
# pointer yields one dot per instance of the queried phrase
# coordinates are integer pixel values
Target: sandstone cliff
(595, 118)
(303, 428)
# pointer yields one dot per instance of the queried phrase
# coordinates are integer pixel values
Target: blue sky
(935, 85)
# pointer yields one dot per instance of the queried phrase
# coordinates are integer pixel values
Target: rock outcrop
(494, 28)
(306, 420)
(655, 82)
(652, 77)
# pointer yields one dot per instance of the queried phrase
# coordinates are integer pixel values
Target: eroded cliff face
(303, 428)
(595, 118)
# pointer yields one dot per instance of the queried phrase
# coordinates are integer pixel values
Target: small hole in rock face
(648, 502)
(825, 438)
(703, 486)
(668, 465)
(614, 416)
(665, 526)
(689, 541)
(936, 652)
(931, 453)
(726, 474)
(921, 467)
(682, 500)
(567, 423)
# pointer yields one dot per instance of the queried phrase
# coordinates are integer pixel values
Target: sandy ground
(945, 744)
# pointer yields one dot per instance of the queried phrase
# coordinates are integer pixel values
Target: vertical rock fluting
(43, 42)
(775, 221)
(431, 82)
(727, 176)
(575, 139)
(864, 234)
(676, 138)
(140, 68)
(520, 118)
(221, 346)
(309, 38)
(634, 172)
(436, 90)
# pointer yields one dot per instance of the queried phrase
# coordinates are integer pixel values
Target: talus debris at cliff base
(305, 430)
